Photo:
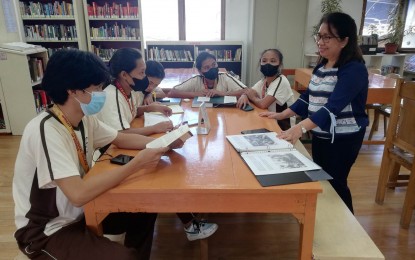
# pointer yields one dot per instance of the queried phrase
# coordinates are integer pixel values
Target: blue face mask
(96, 103)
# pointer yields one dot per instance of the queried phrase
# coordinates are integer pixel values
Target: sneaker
(200, 230)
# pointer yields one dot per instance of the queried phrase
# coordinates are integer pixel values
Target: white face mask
(95, 105)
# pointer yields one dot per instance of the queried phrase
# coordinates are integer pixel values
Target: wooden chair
(380, 109)
(400, 149)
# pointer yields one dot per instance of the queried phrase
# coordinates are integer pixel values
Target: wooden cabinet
(111, 25)
(182, 54)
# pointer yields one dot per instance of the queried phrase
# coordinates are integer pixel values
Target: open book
(228, 101)
(155, 118)
(183, 133)
(275, 161)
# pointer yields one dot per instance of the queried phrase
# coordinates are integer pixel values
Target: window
(193, 20)
(409, 40)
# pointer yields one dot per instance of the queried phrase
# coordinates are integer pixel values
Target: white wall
(351, 7)
(4, 35)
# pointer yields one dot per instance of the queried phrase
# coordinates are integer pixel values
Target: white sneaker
(200, 230)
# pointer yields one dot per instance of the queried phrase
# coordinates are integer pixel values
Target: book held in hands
(275, 161)
(183, 133)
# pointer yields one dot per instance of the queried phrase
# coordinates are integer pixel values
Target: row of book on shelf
(50, 32)
(39, 9)
(36, 68)
(41, 100)
(103, 53)
(114, 10)
(115, 32)
(169, 55)
(223, 55)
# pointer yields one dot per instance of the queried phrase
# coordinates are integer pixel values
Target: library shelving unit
(182, 54)
(21, 73)
(53, 24)
(387, 63)
(111, 25)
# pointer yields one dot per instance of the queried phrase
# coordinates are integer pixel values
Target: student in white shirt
(125, 95)
(55, 154)
(128, 64)
(210, 82)
(273, 91)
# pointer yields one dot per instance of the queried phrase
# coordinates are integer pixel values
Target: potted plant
(396, 29)
(328, 6)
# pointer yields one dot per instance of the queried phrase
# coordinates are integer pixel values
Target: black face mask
(140, 84)
(212, 73)
(269, 70)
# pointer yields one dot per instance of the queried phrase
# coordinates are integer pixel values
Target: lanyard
(130, 104)
(264, 88)
(64, 120)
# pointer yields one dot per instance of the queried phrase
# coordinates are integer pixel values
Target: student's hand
(213, 92)
(242, 101)
(163, 127)
(176, 144)
(148, 100)
(165, 110)
(251, 93)
(148, 158)
(291, 135)
(272, 115)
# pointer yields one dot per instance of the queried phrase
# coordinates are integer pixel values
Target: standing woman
(273, 91)
(334, 101)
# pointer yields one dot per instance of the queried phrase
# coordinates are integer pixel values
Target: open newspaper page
(278, 161)
(258, 142)
(183, 133)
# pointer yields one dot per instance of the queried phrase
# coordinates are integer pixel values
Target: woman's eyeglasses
(325, 38)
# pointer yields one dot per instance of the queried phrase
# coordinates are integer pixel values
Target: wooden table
(380, 90)
(207, 175)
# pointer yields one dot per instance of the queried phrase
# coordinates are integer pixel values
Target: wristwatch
(303, 129)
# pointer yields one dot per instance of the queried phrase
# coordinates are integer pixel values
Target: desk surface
(207, 175)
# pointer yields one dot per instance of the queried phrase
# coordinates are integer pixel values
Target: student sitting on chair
(210, 82)
(125, 95)
(274, 90)
(127, 64)
(56, 153)
(154, 75)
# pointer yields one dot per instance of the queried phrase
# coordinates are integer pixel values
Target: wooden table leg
(307, 228)
(204, 254)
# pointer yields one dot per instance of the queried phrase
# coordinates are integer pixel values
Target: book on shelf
(56, 32)
(46, 10)
(113, 10)
(169, 101)
(275, 161)
(223, 101)
(36, 68)
(183, 133)
(115, 32)
(41, 100)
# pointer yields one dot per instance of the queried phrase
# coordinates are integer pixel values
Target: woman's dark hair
(124, 59)
(279, 55)
(345, 27)
(72, 69)
(155, 69)
(204, 55)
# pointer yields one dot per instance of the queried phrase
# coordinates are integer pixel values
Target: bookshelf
(387, 63)
(53, 24)
(182, 54)
(22, 94)
(111, 25)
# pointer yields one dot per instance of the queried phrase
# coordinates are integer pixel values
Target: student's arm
(154, 107)
(185, 94)
(279, 116)
(263, 103)
(160, 93)
(190, 88)
(161, 127)
(80, 191)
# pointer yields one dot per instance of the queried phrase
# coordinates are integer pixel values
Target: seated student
(154, 75)
(129, 62)
(125, 95)
(55, 154)
(274, 90)
(209, 83)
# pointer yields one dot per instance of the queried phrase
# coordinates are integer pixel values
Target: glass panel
(203, 20)
(409, 39)
(376, 17)
(160, 20)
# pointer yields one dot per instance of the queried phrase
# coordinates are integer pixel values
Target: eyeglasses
(325, 38)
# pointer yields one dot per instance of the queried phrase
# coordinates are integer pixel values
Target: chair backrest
(374, 71)
(402, 121)
(393, 75)
(289, 73)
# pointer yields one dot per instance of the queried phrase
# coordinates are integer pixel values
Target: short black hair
(124, 59)
(204, 55)
(155, 69)
(72, 69)
(279, 55)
